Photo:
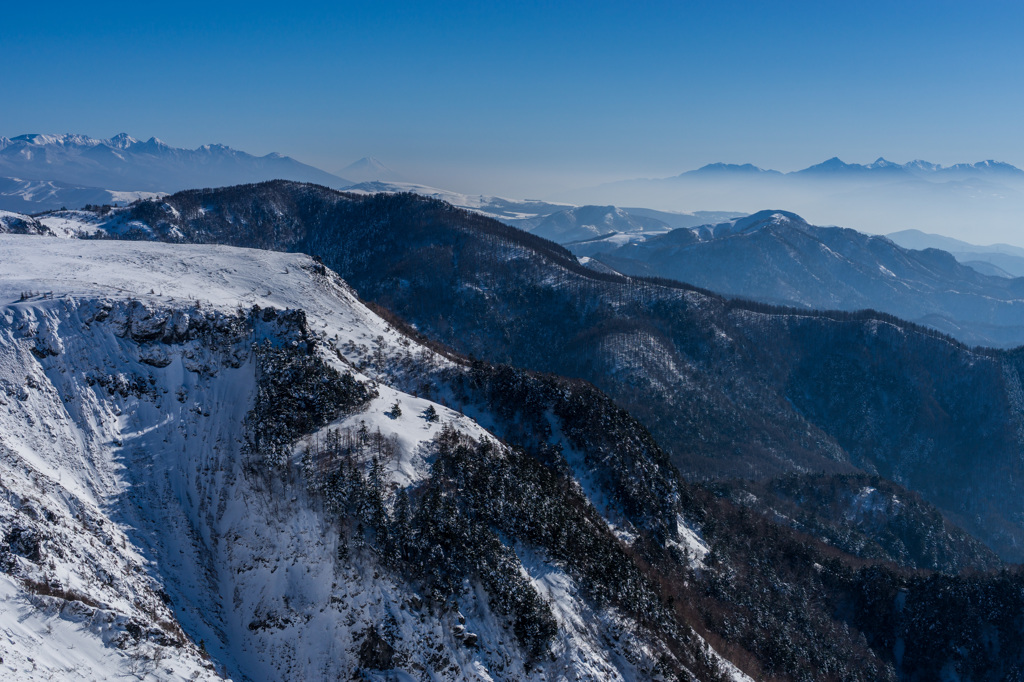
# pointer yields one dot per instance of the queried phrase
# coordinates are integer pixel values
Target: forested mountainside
(776, 257)
(217, 462)
(200, 480)
(728, 388)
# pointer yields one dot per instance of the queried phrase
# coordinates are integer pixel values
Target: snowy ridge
(126, 374)
(47, 172)
(32, 196)
(499, 208)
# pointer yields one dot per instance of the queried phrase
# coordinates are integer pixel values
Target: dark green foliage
(809, 612)
(867, 517)
(457, 524)
(296, 394)
(439, 537)
(24, 542)
(608, 445)
(978, 635)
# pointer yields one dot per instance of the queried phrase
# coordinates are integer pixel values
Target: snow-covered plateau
(140, 541)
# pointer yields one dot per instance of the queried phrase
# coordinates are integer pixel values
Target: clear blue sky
(526, 97)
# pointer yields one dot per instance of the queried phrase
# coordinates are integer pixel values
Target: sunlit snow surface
(147, 517)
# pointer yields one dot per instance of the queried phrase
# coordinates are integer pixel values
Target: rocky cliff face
(197, 488)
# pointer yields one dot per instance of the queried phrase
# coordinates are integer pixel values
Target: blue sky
(528, 98)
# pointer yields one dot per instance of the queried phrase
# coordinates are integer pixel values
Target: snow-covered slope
(589, 222)
(558, 222)
(33, 196)
(140, 527)
(519, 212)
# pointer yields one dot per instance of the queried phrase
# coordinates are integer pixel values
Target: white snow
(45, 638)
(690, 542)
(126, 455)
(500, 208)
(70, 224)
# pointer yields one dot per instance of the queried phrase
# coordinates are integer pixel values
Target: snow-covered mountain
(34, 196)
(471, 281)
(522, 213)
(125, 164)
(215, 463)
(777, 257)
(587, 222)
(562, 223)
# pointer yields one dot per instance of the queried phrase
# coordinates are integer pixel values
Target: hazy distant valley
(986, 198)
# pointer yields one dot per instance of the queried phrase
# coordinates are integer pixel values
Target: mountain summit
(369, 169)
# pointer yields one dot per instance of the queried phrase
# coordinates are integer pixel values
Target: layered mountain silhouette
(986, 198)
(1003, 260)
(777, 257)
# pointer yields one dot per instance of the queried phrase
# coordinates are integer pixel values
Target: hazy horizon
(528, 99)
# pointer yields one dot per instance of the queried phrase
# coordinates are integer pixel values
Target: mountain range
(556, 221)
(881, 197)
(125, 164)
(217, 462)
(778, 258)
(47, 172)
(880, 168)
(202, 491)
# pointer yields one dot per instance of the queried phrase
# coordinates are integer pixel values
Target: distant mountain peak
(759, 221)
(122, 141)
(832, 165)
(920, 165)
(370, 169)
(731, 168)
